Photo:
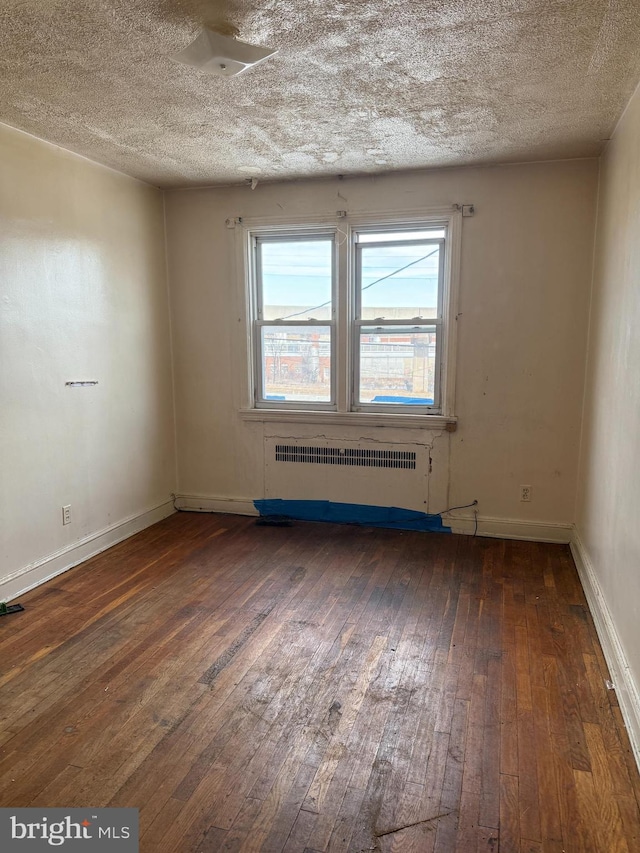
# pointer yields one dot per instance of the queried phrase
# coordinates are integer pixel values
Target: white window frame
(258, 322)
(357, 323)
(344, 408)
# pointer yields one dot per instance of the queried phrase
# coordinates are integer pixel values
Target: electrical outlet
(525, 493)
(66, 514)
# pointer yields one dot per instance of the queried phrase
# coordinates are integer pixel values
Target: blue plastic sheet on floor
(338, 513)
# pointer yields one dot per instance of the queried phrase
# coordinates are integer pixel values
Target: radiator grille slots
(359, 456)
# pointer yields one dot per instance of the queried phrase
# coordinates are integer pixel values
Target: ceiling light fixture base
(221, 55)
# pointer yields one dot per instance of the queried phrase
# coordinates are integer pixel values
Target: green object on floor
(7, 609)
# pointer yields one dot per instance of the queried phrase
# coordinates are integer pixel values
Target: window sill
(372, 419)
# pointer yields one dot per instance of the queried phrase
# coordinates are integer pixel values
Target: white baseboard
(61, 561)
(626, 688)
(200, 503)
(510, 528)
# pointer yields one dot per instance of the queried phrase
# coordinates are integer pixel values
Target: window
(352, 316)
(398, 318)
(295, 319)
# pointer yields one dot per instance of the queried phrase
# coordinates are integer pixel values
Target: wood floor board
(455, 763)
(489, 811)
(468, 827)
(384, 750)
(300, 832)
(623, 777)
(406, 744)
(318, 688)
(213, 840)
(547, 781)
(528, 789)
(571, 811)
(446, 677)
(339, 841)
(509, 833)
(508, 712)
(474, 741)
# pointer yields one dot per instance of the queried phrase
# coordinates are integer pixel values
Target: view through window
(296, 279)
(397, 316)
(387, 341)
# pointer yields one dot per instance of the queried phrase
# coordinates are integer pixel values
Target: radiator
(336, 469)
(361, 457)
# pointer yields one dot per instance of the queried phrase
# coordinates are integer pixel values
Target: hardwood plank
(468, 828)
(6, 736)
(213, 841)
(547, 782)
(528, 790)
(241, 828)
(509, 814)
(608, 807)
(508, 713)
(410, 814)
(474, 744)
(489, 812)
(320, 688)
(300, 832)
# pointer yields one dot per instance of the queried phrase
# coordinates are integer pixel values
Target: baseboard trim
(202, 503)
(510, 528)
(500, 528)
(66, 558)
(626, 689)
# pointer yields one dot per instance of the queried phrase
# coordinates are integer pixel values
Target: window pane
(296, 363)
(397, 366)
(296, 279)
(386, 236)
(399, 282)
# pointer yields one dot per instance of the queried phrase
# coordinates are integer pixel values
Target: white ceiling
(358, 86)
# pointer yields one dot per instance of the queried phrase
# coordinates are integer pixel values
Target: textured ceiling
(358, 86)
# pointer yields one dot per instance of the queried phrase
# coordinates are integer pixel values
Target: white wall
(526, 273)
(608, 511)
(82, 296)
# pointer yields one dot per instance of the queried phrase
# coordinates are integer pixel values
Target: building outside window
(352, 317)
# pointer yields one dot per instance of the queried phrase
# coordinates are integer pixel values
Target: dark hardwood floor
(320, 688)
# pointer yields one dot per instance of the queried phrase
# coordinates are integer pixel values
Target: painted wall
(608, 509)
(82, 297)
(524, 291)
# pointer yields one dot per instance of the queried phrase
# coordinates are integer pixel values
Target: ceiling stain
(357, 86)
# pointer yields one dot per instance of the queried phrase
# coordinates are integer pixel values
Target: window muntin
(351, 318)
